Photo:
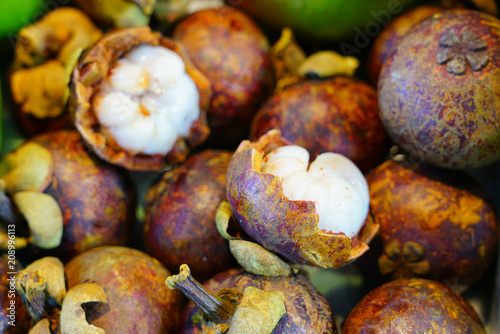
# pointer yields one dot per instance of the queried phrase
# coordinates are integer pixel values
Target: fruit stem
(216, 309)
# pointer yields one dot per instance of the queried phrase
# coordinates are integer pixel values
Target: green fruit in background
(325, 19)
(15, 14)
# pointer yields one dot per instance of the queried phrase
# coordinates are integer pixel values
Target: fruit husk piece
(253, 311)
(289, 228)
(118, 13)
(413, 305)
(251, 256)
(93, 67)
(180, 210)
(30, 167)
(130, 278)
(44, 217)
(306, 310)
(73, 320)
(45, 53)
(42, 287)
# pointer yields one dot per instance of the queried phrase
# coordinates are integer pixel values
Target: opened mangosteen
(438, 90)
(236, 301)
(138, 301)
(231, 50)
(180, 215)
(138, 101)
(413, 305)
(434, 223)
(71, 200)
(334, 115)
(45, 54)
(309, 213)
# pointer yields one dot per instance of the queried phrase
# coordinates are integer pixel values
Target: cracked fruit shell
(100, 61)
(438, 90)
(287, 227)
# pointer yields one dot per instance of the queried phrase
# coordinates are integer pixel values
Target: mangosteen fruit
(438, 87)
(313, 214)
(413, 305)
(71, 200)
(240, 302)
(14, 318)
(338, 114)
(180, 215)
(392, 32)
(137, 100)
(434, 223)
(138, 301)
(45, 52)
(231, 50)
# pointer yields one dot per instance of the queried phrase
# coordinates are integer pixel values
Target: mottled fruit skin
(336, 115)
(434, 223)
(283, 226)
(438, 90)
(307, 311)
(398, 27)
(413, 306)
(97, 199)
(180, 215)
(17, 312)
(231, 50)
(134, 282)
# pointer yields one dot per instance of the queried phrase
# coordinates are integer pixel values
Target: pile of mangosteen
(195, 166)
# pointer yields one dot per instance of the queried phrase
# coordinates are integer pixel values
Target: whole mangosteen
(438, 90)
(72, 201)
(232, 52)
(413, 305)
(335, 115)
(235, 299)
(434, 223)
(180, 215)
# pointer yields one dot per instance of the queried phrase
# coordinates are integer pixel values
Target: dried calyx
(45, 54)
(230, 310)
(42, 287)
(24, 174)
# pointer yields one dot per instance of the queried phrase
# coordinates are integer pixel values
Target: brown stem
(218, 310)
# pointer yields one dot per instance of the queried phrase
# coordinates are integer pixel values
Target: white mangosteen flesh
(147, 101)
(333, 182)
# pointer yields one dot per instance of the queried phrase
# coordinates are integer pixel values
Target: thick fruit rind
(287, 227)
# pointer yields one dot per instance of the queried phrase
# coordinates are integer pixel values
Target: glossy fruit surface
(232, 52)
(323, 19)
(413, 306)
(438, 90)
(434, 223)
(338, 115)
(180, 215)
(134, 283)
